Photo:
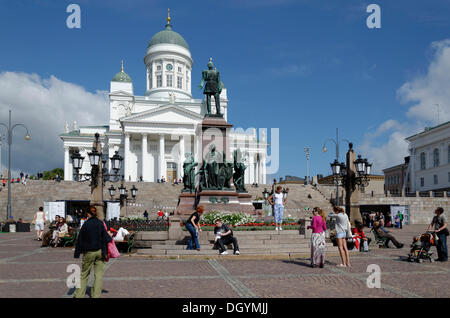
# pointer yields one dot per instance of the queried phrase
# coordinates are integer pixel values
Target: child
(415, 246)
(397, 221)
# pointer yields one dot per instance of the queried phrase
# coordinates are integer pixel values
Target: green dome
(168, 36)
(121, 77)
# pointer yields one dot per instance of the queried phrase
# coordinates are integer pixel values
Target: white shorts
(39, 226)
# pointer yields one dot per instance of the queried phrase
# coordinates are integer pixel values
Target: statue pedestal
(245, 201)
(186, 203)
(220, 200)
(215, 129)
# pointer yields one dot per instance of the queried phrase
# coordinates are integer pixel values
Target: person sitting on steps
(224, 236)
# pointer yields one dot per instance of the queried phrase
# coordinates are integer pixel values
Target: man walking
(92, 243)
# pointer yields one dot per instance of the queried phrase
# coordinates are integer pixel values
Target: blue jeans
(194, 237)
(278, 209)
(442, 247)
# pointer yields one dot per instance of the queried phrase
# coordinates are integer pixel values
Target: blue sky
(305, 67)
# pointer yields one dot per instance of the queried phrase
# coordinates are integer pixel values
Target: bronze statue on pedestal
(213, 87)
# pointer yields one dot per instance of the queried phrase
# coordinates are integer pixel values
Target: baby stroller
(423, 251)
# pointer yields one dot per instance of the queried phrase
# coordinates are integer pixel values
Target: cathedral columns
(251, 168)
(181, 158)
(264, 171)
(144, 157)
(67, 165)
(126, 157)
(162, 162)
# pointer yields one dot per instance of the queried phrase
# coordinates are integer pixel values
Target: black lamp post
(10, 129)
(265, 194)
(336, 161)
(123, 193)
(348, 178)
(94, 159)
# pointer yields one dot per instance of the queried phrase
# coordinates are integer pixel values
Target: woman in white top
(278, 206)
(39, 223)
(342, 229)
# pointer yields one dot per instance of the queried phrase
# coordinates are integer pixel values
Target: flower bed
(253, 226)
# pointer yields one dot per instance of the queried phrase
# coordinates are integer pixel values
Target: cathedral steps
(267, 243)
(151, 197)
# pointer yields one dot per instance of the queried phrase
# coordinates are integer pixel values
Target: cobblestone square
(27, 270)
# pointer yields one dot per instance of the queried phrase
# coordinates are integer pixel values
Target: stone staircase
(287, 243)
(151, 197)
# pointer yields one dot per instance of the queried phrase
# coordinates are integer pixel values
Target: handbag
(113, 252)
(444, 231)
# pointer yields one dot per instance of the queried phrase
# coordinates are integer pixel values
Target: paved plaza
(27, 270)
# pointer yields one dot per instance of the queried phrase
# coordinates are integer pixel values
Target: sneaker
(224, 253)
(276, 229)
(281, 228)
(237, 253)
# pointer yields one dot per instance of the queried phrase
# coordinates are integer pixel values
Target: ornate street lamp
(77, 161)
(337, 171)
(134, 191)
(336, 168)
(99, 173)
(10, 129)
(116, 162)
(122, 189)
(344, 175)
(112, 191)
(94, 157)
(265, 194)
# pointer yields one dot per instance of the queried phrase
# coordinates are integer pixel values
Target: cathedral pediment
(169, 113)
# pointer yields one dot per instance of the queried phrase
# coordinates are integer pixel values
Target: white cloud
(44, 105)
(431, 89)
(421, 94)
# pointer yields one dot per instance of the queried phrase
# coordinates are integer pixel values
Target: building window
(180, 82)
(422, 182)
(158, 67)
(179, 69)
(449, 177)
(169, 80)
(422, 161)
(158, 80)
(436, 157)
(435, 178)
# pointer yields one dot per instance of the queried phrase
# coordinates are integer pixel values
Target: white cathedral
(154, 132)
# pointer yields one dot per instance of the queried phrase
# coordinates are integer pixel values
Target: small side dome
(121, 76)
